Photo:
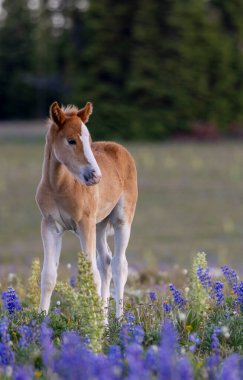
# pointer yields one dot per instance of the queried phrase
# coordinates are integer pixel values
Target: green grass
(190, 199)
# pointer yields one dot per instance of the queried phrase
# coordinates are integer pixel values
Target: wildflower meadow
(191, 333)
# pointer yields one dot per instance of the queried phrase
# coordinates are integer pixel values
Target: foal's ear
(56, 114)
(85, 112)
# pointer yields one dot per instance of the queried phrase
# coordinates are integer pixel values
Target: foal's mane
(69, 110)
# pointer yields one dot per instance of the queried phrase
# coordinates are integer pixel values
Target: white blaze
(87, 149)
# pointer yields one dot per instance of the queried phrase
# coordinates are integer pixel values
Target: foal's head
(71, 143)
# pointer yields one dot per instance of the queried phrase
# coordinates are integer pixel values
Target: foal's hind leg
(119, 263)
(104, 261)
(52, 242)
(121, 218)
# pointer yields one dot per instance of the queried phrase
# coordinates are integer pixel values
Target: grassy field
(190, 199)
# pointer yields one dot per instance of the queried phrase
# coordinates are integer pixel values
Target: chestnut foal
(84, 187)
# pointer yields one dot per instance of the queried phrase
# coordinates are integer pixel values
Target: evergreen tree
(182, 69)
(16, 49)
(203, 77)
(106, 62)
(231, 16)
(44, 76)
(69, 48)
(148, 78)
(151, 68)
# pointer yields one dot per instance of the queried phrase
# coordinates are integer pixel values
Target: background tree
(146, 81)
(203, 78)
(106, 63)
(151, 68)
(15, 60)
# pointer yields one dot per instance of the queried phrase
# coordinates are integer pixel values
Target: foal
(85, 186)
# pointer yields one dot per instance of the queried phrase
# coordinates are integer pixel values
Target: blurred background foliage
(152, 68)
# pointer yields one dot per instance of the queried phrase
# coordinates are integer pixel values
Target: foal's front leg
(52, 242)
(87, 236)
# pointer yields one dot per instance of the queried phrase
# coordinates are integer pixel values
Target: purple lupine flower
(151, 359)
(138, 334)
(195, 340)
(230, 275)
(135, 362)
(115, 360)
(215, 341)
(35, 330)
(130, 319)
(114, 353)
(72, 281)
(47, 348)
(169, 336)
(212, 364)
(204, 277)
(23, 373)
(131, 333)
(25, 336)
(239, 293)
(100, 369)
(241, 365)
(166, 306)
(218, 292)
(4, 335)
(56, 311)
(153, 296)
(11, 301)
(214, 360)
(167, 351)
(170, 365)
(178, 299)
(6, 354)
(231, 369)
(75, 361)
(185, 371)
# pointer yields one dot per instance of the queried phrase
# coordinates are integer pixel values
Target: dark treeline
(151, 68)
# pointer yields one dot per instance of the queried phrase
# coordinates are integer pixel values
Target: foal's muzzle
(91, 177)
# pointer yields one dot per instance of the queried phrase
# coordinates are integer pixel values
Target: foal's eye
(71, 142)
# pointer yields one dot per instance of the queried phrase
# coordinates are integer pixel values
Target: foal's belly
(105, 210)
(69, 222)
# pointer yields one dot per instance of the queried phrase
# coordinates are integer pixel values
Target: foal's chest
(63, 220)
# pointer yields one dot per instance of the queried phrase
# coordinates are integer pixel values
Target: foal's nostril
(92, 174)
(91, 177)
